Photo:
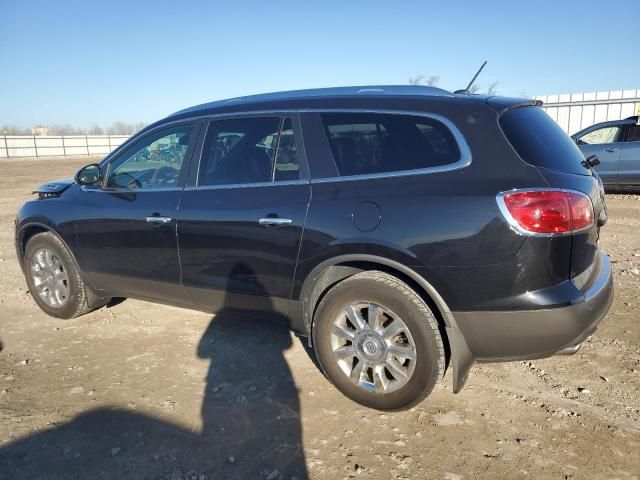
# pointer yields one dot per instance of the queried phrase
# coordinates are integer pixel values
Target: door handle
(158, 219)
(268, 221)
(611, 149)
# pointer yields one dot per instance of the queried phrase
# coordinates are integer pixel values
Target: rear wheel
(378, 342)
(54, 279)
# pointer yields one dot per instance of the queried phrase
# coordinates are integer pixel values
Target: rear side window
(540, 141)
(366, 143)
(634, 133)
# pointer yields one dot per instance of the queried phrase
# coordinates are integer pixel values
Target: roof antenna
(466, 90)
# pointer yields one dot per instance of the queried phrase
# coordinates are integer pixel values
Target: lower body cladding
(526, 334)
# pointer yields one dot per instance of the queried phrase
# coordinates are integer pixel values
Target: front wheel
(54, 279)
(378, 342)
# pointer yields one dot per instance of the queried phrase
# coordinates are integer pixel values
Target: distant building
(41, 131)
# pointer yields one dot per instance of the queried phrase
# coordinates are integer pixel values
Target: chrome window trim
(515, 226)
(246, 185)
(85, 188)
(465, 152)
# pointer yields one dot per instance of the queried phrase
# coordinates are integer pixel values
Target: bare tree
(8, 129)
(431, 81)
(117, 128)
(65, 129)
(95, 130)
(139, 126)
(475, 88)
(120, 128)
(491, 89)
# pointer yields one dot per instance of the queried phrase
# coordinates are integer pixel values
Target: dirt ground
(137, 390)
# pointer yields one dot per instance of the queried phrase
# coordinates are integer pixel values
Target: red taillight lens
(581, 211)
(549, 211)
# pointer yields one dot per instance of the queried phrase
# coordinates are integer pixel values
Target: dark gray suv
(400, 229)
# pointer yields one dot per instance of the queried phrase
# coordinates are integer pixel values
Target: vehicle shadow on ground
(250, 416)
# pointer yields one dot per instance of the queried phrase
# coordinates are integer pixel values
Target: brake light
(547, 212)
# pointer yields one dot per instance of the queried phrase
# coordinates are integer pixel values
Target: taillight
(547, 212)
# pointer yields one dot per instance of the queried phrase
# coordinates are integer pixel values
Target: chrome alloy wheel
(49, 277)
(373, 347)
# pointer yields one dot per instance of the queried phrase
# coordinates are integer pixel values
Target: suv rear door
(240, 222)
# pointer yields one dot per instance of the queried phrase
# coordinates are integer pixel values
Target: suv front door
(240, 223)
(126, 227)
(606, 142)
(629, 173)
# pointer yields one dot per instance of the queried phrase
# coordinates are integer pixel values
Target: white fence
(40, 146)
(576, 111)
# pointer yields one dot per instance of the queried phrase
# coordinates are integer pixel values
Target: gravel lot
(137, 390)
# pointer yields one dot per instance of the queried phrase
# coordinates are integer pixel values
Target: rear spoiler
(502, 104)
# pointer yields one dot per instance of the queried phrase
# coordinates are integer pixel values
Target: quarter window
(249, 150)
(366, 143)
(154, 162)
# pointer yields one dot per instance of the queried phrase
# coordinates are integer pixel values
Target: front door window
(601, 136)
(154, 162)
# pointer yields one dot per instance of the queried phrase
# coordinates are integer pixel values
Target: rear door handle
(158, 219)
(611, 149)
(267, 221)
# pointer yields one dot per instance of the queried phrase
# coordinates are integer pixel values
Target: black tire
(78, 301)
(389, 292)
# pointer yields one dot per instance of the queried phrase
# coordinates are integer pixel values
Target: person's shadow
(250, 415)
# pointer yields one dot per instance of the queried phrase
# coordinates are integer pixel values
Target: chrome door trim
(276, 221)
(160, 220)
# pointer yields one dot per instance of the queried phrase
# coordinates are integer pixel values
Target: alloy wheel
(373, 347)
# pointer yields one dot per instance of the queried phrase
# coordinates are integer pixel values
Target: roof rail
(374, 90)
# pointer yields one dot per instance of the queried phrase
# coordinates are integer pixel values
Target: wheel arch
(28, 231)
(332, 271)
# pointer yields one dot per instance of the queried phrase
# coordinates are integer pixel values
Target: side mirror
(88, 175)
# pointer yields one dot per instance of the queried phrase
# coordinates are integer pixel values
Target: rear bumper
(517, 335)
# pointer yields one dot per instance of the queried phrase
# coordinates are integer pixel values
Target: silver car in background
(617, 145)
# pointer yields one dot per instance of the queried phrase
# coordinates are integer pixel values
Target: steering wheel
(164, 175)
(132, 183)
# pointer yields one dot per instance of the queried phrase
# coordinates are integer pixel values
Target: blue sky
(99, 62)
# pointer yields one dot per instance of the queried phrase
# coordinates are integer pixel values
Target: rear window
(366, 143)
(540, 141)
